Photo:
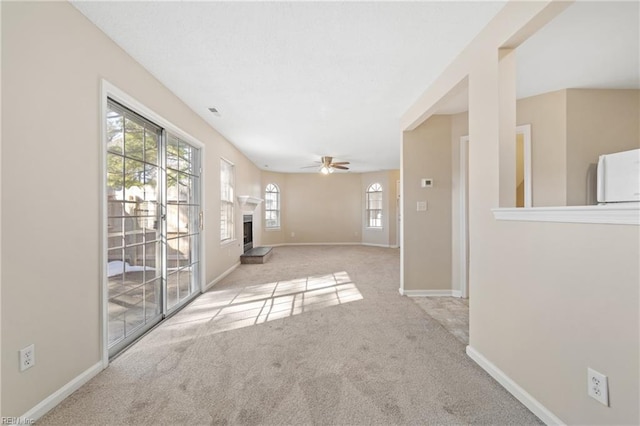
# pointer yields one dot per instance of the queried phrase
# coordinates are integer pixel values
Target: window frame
(374, 188)
(227, 203)
(277, 208)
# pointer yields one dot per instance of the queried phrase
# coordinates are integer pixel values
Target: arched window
(272, 206)
(374, 206)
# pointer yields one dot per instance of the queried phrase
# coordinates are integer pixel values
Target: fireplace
(247, 220)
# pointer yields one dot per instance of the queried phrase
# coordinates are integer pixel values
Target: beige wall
(569, 129)
(426, 153)
(329, 209)
(51, 153)
(536, 285)
(547, 115)
(322, 208)
(598, 122)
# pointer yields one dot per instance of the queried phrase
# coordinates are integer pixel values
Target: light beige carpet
(318, 335)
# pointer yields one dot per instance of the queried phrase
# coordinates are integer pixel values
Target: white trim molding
(463, 219)
(376, 245)
(613, 214)
(525, 131)
(317, 244)
(58, 396)
(429, 293)
(249, 203)
(514, 389)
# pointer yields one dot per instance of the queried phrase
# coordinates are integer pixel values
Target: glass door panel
(134, 261)
(183, 228)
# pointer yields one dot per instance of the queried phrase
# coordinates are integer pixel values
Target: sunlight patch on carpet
(231, 309)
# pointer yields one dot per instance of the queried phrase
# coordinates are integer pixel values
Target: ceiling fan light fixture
(325, 170)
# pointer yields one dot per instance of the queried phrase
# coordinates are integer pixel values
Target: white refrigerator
(619, 177)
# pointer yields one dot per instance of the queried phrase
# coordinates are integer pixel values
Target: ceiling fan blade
(339, 167)
(309, 167)
(340, 163)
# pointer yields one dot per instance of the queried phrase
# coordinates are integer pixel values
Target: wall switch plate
(421, 206)
(598, 386)
(426, 182)
(27, 357)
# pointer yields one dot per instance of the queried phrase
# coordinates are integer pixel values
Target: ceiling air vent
(215, 111)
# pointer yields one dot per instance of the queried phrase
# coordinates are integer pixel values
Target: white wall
(51, 191)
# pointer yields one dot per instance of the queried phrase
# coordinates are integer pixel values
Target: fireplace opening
(247, 220)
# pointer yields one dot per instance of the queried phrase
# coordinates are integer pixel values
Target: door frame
(464, 218)
(524, 130)
(109, 90)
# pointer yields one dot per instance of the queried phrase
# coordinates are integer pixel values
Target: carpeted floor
(318, 335)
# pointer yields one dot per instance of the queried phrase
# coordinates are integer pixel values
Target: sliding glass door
(153, 226)
(183, 221)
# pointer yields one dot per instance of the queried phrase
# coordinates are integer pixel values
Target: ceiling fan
(327, 165)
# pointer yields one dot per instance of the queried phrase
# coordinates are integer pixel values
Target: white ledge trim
(627, 214)
(247, 200)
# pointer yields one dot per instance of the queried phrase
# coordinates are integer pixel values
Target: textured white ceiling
(591, 45)
(297, 80)
(294, 81)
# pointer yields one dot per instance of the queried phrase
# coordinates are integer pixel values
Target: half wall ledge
(616, 214)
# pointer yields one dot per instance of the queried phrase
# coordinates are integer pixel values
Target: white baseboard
(429, 293)
(456, 293)
(330, 244)
(221, 276)
(58, 396)
(321, 244)
(514, 389)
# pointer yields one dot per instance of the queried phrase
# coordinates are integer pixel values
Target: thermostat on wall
(426, 182)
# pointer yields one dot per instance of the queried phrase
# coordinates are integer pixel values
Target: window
(272, 206)
(226, 200)
(374, 206)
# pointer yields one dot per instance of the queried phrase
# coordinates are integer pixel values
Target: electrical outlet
(597, 386)
(27, 357)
